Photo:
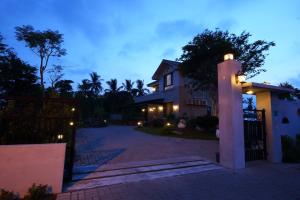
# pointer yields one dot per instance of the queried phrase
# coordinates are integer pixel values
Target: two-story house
(172, 94)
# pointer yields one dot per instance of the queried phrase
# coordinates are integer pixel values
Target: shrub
(208, 122)
(192, 123)
(290, 151)
(157, 123)
(7, 195)
(40, 192)
(167, 130)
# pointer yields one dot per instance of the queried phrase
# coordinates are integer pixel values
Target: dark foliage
(39, 192)
(201, 56)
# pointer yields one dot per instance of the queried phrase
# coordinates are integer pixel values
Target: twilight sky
(127, 39)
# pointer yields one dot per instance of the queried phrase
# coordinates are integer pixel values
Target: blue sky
(127, 39)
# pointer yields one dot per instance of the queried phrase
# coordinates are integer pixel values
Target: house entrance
(255, 135)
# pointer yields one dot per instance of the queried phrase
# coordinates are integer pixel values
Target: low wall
(23, 165)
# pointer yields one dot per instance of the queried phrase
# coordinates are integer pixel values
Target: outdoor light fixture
(175, 107)
(168, 124)
(143, 110)
(71, 123)
(153, 89)
(160, 108)
(73, 109)
(140, 123)
(228, 56)
(60, 136)
(240, 77)
(250, 92)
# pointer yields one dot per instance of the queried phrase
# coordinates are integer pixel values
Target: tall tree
(16, 77)
(44, 44)
(289, 95)
(85, 88)
(96, 86)
(128, 86)
(113, 86)
(64, 87)
(140, 90)
(201, 56)
(55, 74)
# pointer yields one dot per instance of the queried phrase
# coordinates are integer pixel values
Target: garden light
(140, 124)
(60, 136)
(71, 123)
(168, 124)
(143, 110)
(73, 109)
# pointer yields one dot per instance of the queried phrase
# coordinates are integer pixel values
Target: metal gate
(255, 135)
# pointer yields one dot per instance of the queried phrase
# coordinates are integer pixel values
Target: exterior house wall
(23, 165)
(288, 109)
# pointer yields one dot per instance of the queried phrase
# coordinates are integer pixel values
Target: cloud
(177, 29)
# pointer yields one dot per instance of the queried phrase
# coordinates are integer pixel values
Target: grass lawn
(180, 133)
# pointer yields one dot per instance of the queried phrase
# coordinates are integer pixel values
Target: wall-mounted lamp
(240, 77)
(250, 92)
(228, 56)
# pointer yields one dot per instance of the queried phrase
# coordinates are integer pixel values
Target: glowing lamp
(168, 124)
(250, 92)
(175, 107)
(160, 108)
(140, 123)
(228, 56)
(73, 109)
(71, 123)
(60, 136)
(240, 77)
(143, 110)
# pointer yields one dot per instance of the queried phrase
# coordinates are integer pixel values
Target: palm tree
(141, 91)
(128, 85)
(95, 84)
(113, 86)
(85, 87)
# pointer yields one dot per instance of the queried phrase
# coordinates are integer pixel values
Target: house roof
(163, 66)
(153, 83)
(261, 87)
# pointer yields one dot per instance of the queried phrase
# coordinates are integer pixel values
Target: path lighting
(175, 107)
(240, 77)
(143, 110)
(228, 56)
(168, 124)
(140, 124)
(250, 92)
(160, 108)
(60, 136)
(71, 123)
(73, 109)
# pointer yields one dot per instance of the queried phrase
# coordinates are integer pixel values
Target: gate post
(231, 122)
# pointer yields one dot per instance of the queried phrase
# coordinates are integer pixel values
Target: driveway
(120, 144)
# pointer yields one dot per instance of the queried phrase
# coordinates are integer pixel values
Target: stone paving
(260, 180)
(124, 144)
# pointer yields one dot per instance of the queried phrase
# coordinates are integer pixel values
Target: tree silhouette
(128, 86)
(44, 44)
(96, 86)
(140, 90)
(113, 86)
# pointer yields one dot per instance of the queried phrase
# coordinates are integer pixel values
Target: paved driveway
(119, 144)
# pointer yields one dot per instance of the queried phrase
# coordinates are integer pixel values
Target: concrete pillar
(264, 101)
(231, 124)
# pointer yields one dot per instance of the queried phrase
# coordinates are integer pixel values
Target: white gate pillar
(231, 124)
